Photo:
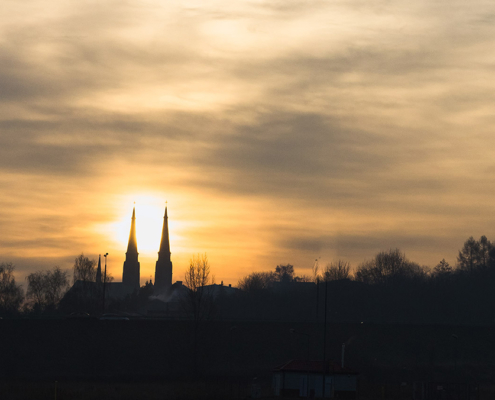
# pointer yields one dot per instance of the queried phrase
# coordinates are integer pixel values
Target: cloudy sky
(278, 131)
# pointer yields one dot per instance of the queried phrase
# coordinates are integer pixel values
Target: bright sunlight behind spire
(149, 222)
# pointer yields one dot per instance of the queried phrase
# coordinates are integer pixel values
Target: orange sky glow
(277, 131)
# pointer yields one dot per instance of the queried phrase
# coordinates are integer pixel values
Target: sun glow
(149, 224)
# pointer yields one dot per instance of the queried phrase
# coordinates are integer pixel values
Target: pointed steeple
(163, 270)
(131, 274)
(165, 242)
(132, 245)
(98, 270)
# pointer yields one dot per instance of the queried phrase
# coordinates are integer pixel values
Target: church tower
(163, 271)
(131, 273)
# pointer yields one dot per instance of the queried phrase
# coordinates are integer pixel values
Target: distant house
(219, 290)
(301, 378)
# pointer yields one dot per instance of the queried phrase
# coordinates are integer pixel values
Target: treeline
(46, 290)
(387, 288)
(387, 266)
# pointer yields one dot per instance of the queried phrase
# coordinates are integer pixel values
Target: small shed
(303, 378)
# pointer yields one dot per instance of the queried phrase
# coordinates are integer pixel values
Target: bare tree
(46, 288)
(485, 247)
(337, 270)
(198, 273)
(86, 295)
(469, 256)
(387, 266)
(36, 289)
(443, 267)
(315, 271)
(57, 284)
(474, 254)
(199, 301)
(256, 281)
(284, 273)
(11, 295)
(196, 278)
(84, 269)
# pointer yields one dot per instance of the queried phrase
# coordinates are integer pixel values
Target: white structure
(302, 378)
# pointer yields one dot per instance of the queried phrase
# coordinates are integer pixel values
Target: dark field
(149, 359)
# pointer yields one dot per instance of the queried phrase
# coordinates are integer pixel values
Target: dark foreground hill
(145, 349)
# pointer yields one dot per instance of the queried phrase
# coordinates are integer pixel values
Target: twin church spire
(132, 267)
(163, 270)
(132, 245)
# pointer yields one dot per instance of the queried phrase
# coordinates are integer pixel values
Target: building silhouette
(82, 291)
(131, 274)
(163, 269)
(131, 271)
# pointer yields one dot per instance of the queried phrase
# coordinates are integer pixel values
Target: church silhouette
(131, 275)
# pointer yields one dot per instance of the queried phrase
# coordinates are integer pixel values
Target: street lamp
(104, 281)
(324, 341)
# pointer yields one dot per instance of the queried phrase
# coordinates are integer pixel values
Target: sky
(276, 131)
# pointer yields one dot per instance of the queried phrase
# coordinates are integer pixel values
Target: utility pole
(324, 343)
(317, 283)
(104, 282)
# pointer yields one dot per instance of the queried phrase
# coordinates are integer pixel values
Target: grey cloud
(303, 243)
(282, 153)
(44, 159)
(360, 247)
(53, 243)
(393, 239)
(26, 265)
(290, 9)
(83, 140)
(305, 156)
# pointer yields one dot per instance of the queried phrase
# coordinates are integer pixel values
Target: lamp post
(292, 330)
(324, 342)
(104, 281)
(317, 282)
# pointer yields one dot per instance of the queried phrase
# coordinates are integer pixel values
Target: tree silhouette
(284, 273)
(387, 267)
(11, 295)
(485, 247)
(46, 288)
(443, 267)
(256, 281)
(86, 294)
(84, 269)
(337, 270)
(36, 289)
(196, 278)
(198, 302)
(474, 254)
